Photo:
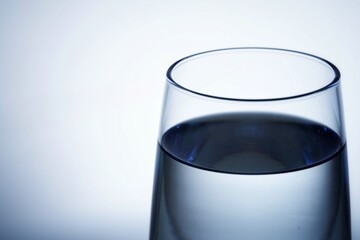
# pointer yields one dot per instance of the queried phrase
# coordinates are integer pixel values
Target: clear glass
(251, 146)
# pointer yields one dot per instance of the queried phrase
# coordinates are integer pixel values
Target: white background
(81, 86)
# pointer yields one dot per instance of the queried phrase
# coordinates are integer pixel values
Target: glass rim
(332, 83)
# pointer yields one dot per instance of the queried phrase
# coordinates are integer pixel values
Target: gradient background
(81, 86)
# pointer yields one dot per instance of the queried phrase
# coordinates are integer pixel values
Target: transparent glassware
(251, 146)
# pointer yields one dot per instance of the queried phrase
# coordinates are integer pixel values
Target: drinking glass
(251, 146)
